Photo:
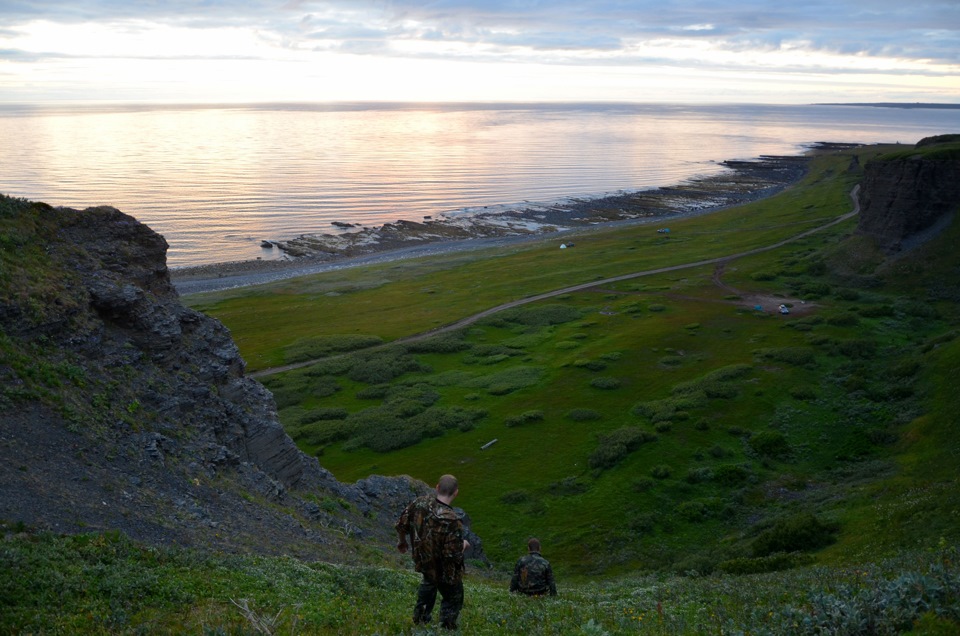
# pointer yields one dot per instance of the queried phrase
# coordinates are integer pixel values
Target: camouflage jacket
(435, 534)
(534, 576)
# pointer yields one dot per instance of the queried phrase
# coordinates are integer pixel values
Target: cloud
(838, 37)
(848, 27)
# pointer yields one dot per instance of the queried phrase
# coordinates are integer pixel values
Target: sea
(218, 180)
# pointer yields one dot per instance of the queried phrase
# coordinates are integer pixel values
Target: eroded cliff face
(122, 409)
(910, 193)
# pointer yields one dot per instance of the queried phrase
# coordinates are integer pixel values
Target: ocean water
(216, 180)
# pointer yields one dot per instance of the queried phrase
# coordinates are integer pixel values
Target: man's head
(447, 486)
(533, 545)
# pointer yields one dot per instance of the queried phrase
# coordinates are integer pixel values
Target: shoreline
(743, 182)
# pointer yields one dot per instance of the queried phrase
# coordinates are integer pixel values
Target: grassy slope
(105, 584)
(892, 493)
(537, 479)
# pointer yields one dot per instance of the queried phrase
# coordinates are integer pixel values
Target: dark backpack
(441, 545)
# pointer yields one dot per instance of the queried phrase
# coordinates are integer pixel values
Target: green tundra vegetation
(693, 460)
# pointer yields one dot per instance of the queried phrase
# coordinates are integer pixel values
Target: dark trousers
(450, 606)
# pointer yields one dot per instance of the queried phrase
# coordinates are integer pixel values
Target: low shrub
(718, 451)
(327, 413)
(729, 372)
(508, 380)
(804, 393)
(731, 474)
(670, 409)
(322, 346)
(905, 368)
(447, 343)
(661, 471)
(758, 565)
(797, 533)
(693, 511)
(490, 354)
(812, 291)
(383, 368)
(699, 475)
(523, 418)
(916, 308)
(656, 307)
(376, 392)
(643, 523)
(606, 383)
(642, 484)
(323, 432)
(592, 365)
(771, 444)
(542, 315)
(721, 390)
(332, 366)
(617, 444)
(568, 486)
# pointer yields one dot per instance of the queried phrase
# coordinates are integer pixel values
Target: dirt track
(720, 261)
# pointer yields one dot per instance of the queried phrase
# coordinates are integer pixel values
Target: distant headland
(895, 105)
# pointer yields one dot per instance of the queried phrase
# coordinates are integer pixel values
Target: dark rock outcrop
(122, 409)
(906, 194)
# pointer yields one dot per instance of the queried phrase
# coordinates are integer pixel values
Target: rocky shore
(741, 182)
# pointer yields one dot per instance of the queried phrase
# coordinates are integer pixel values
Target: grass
(746, 418)
(691, 465)
(107, 584)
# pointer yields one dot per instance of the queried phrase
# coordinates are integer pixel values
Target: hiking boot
(421, 619)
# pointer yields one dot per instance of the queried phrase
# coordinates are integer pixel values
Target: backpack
(441, 545)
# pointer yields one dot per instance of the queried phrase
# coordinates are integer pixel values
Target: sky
(696, 51)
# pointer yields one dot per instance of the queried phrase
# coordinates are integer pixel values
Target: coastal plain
(613, 366)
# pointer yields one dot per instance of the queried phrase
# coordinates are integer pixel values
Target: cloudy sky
(768, 51)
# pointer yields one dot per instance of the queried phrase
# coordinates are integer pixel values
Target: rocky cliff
(909, 194)
(121, 409)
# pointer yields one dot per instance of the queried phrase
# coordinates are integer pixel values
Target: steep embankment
(909, 194)
(122, 409)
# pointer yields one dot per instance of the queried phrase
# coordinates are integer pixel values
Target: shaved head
(447, 486)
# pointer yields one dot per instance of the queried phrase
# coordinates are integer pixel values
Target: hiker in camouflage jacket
(436, 537)
(533, 575)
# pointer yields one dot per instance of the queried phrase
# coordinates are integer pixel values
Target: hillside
(669, 422)
(658, 422)
(124, 410)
